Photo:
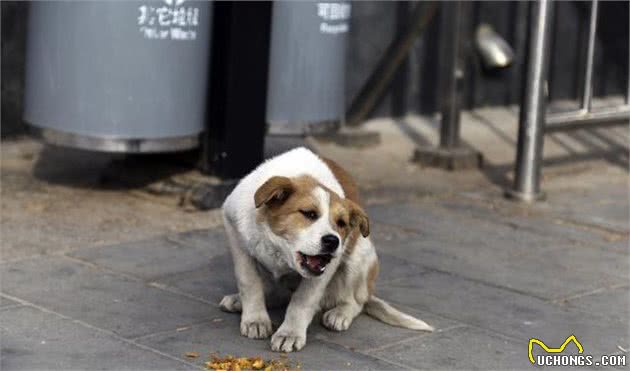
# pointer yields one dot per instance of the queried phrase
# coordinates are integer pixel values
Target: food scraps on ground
(230, 363)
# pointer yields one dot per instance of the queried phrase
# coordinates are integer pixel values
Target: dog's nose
(330, 243)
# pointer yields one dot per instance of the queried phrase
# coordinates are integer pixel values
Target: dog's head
(311, 224)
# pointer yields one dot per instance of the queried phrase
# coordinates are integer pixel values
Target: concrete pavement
(488, 281)
(97, 275)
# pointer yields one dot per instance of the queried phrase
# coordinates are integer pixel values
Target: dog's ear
(274, 192)
(358, 218)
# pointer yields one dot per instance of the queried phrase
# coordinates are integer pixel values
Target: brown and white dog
(298, 234)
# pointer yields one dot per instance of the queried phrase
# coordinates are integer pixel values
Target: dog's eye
(341, 223)
(309, 214)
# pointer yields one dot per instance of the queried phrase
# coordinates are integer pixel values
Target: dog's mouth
(315, 264)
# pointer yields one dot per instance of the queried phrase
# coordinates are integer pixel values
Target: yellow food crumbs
(191, 354)
(258, 363)
(230, 363)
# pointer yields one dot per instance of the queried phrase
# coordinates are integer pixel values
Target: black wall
(13, 49)
(374, 24)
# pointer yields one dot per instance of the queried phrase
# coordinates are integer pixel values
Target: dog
(298, 235)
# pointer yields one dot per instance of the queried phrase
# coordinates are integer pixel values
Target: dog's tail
(381, 310)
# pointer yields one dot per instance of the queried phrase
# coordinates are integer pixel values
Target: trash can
(306, 86)
(118, 76)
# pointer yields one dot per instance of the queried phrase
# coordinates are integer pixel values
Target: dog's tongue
(314, 262)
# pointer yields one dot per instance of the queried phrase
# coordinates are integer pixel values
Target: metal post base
(114, 145)
(524, 197)
(354, 138)
(209, 196)
(458, 158)
(169, 177)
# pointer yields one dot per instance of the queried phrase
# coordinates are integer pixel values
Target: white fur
(342, 290)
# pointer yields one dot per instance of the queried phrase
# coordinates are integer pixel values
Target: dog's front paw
(287, 340)
(336, 319)
(256, 328)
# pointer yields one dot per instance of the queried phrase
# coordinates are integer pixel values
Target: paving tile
(515, 315)
(544, 218)
(158, 257)
(213, 239)
(6, 302)
(393, 267)
(216, 278)
(368, 333)
(606, 206)
(211, 281)
(460, 348)
(523, 260)
(437, 224)
(611, 303)
(125, 306)
(35, 340)
(223, 338)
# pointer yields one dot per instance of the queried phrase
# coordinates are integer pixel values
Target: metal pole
(452, 73)
(587, 94)
(233, 143)
(450, 154)
(533, 104)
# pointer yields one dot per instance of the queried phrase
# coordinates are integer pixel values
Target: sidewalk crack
(100, 330)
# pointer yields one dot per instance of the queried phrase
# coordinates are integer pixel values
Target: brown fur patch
(358, 218)
(276, 189)
(351, 242)
(338, 214)
(352, 218)
(348, 184)
(286, 197)
(371, 278)
(285, 218)
(351, 191)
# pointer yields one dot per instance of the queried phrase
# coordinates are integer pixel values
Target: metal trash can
(118, 76)
(307, 65)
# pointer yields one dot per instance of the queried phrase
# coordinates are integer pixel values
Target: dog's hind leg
(340, 317)
(349, 289)
(231, 303)
(340, 302)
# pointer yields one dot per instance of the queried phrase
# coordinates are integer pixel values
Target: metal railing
(534, 122)
(585, 115)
